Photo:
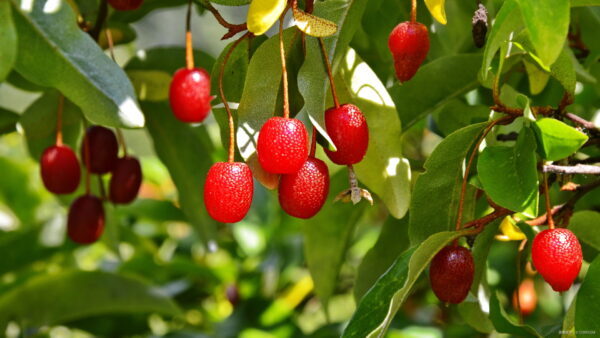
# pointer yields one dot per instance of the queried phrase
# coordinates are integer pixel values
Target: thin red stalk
(189, 51)
(286, 100)
(329, 73)
(86, 145)
(313, 143)
(59, 117)
(413, 11)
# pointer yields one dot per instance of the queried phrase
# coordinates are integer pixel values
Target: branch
(100, 19)
(576, 169)
(580, 121)
(233, 28)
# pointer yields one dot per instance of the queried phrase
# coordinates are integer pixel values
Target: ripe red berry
(409, 44)
(451, 273)
(86, 219)
(282, 145)
(556, 254)
(228, 191)
(189, 94)
(527, 297)
(60, 169)
(125, 5)
(303, 193)
(347, 127)
(125, 180)
(104, 149)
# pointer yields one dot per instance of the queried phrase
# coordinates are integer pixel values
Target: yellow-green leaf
(437, 10)
(313, 25)
(150, 85)
(262, 14)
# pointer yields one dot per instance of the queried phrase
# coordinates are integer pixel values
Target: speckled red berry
(282, 145)
(60, 169)
(556, 255)
(86, 219)
(189, 95)
(125, 180)
(104, 149)
(409, 44)
(228, 191)
(303, 193)
(347, 127)
(125, 5)
(451, 273)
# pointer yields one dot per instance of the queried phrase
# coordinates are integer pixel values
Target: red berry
(103, 147)
(60, 169)
(347, 127)
(228, 191)
(86, 219)
(282, 145)
(303, 193)
(409, 44)
(125, 180)
(556, 254)
(189, 94)
(451, 273)
(527, 297)
(125, 5)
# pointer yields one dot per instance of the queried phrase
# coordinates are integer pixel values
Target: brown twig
(233, 29)
(413, 11)
(583, 169)
(581, 121)
(286, 99)
(100, 20)
(329, 73)
(479, 223)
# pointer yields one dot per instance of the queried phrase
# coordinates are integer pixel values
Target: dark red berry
(125, 180)
(228, 191)
(60, 169)
(527, 297)
(233, 294)
(104, 149)
(451, 274)
(303, 193)
(282, 145)
(86, 219)
(347, 127)
(125, 5)
(189, 94)
(556, 254)
(409, 44)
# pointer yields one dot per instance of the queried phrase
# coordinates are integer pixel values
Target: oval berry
(104, 149)
(451, 274)
(60, 169)
(125, 180)
(228, 191)
(527, 297)
(125, 5)
(556, 254)
(347, 127)
(409, 44)
(303, 193)
(86, 219)
(189, 95)
(282, 145)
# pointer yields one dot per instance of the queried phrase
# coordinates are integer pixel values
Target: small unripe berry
(282, 145)
(228, 191)
(189, 95)
(557, 256)
(125, 180)
(86, 219)
(527, 297)
(451, 274)
(104, 149)
(60, 169)
(348, 129)
(303, 193)
(409, 44)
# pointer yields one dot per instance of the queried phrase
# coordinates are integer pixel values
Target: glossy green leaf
(587, 304)
(557, 140)
(509, 174)
(17, 192)
(471, 312)
(584, 225)
(22, 248)
(379, 306)
(536, 76)
(436, 192)
(48, 298)
(435, 84)
(504, 324)
(547, 23)
(480, 251)
(168, 59)
(150, 85)
(564, 70)
(155, 210)
(8, 39)
(8, 121)
(581, 3)
(457, 114)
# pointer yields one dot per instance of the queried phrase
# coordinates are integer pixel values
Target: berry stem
(111, 45)
(313, 144)
(189, 51)
(86, 145)
(102, 190)
(548, 203)
(329, 73)
(286, 100)
(231, 153)
(413, 11)
(233, 29)
(121, 140)
(59, 117)
(100, 19)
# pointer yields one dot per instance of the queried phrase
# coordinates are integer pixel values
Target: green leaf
(8, 39)
(17, 192)
(73, 63)
(379, 306)
(428, 90)
(537, 77)
(8, 121)
(471, 312)
(155, 210)
(456, 114)
(168, 59)
(48, 298)
(179, 147)
(231, 2)
(383, 169)
(564, 70)
(581, 3)
(436, 192)
(150, 85)
(22, 248)
(481, 250)
(547, 23)
(503, 324)
(584, 225)
(509, 174)
(587, 304)
(557, 140)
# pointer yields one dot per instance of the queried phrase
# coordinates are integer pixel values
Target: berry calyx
(347, 127)
(303, 193)
(125, 180)
(60, 169)
(125, 5)
(556, 255)
(103, 148)
(86, 219)
(228, 191)
(527, 297)
(189, 95)
(451, 273)
(409, 44)
(282, 145)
